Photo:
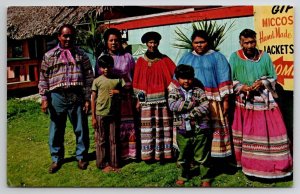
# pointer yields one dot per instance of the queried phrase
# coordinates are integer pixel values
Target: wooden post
(25, 48)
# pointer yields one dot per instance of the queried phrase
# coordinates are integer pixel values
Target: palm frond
(215, 32)
(184, 41)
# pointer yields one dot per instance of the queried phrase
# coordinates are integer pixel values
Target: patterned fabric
(63, 68)
(213, 70)
(195, 108)
(261, 145)
(221, 144)
(127, 127)
(156, 132)
(152, 77)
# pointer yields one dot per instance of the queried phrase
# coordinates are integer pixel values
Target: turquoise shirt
(247, 71)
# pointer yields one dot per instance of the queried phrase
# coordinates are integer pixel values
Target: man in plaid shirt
(66, 78)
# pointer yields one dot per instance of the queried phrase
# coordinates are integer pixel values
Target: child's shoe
(205, 184)
(180, 183)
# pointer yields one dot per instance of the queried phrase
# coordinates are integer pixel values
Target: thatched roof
(28, 21)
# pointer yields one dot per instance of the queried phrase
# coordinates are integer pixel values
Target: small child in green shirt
(105, 105)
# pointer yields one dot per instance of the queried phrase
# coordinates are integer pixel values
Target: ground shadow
(90, 157)
(270, 181)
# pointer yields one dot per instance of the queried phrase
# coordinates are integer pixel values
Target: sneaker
(54, 167)
(82, 164)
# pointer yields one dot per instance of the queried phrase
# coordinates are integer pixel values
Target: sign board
(275, 35)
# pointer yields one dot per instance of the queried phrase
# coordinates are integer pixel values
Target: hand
(112, 92)
(138, 106)
(192, 123)
(94, 123)
(225, 107)
(256, 85)
(44, 106)
(86, 106)
(246, 88)
(194, 101)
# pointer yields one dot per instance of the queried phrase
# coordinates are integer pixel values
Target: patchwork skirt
(261, 145)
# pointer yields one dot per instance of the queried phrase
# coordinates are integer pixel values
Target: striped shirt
(62, 68)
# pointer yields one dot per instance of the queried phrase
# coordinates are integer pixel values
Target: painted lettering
(278, 21)
(263, 37)
(284, 34)
(280, 9)
(285, 70)
(279, 49)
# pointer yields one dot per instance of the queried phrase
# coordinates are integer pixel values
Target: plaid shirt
(195, 108)
(65, 69)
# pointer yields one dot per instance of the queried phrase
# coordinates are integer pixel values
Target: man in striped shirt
(65, 83)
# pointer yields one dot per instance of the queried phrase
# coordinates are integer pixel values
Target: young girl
(105, 105)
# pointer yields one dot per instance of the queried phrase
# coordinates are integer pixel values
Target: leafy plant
(91, 39)
(215, 32)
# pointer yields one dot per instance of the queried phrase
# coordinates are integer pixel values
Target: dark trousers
(106, 140)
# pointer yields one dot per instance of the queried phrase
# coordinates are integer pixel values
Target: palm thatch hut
(30, 31)
(28, 21)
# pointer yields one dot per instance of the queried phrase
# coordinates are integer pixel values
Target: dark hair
(71, 27)
(184, 72)
(151, 36)
(202, 34)
(248, 33)
(111, 31)
(105, 61)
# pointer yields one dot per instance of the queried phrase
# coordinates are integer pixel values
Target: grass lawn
(28, 160)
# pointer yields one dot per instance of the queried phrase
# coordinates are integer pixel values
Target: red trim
(240, 53)
(215, 13)
(219, 86)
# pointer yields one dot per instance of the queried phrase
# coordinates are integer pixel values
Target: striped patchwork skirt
(221, 144)
(156, 132)
(261, 145)
(127, 129)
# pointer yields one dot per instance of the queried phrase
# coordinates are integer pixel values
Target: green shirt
(106, 105)
(247, 71)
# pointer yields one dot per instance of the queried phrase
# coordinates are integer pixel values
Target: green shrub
(16, 107)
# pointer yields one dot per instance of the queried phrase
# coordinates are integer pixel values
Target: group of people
(149, 108)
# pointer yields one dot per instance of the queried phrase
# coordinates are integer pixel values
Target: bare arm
(93, 107)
